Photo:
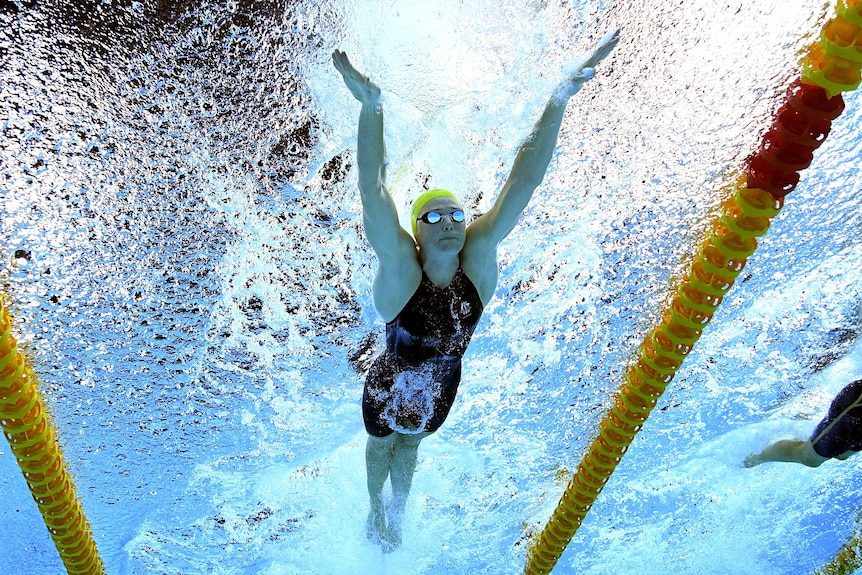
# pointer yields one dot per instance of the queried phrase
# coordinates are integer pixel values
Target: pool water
(187, 268)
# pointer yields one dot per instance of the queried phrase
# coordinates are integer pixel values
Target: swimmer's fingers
(342, 63)
(604, 47)
(586, 70)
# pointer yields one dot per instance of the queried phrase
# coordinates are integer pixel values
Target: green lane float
(31, 437)
(800, 126)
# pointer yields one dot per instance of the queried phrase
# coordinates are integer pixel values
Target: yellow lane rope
(31, 437)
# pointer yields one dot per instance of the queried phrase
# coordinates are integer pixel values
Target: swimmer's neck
(439, 267)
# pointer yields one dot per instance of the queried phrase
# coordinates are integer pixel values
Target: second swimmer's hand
(362, 88)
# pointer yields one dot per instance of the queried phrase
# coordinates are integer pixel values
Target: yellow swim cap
(423, 199)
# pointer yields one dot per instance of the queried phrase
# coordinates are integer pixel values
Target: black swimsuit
(841, 429)
(411, 386)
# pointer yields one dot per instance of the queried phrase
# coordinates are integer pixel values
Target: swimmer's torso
(436, 322)
(424, 346)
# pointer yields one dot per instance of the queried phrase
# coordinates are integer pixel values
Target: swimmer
(838, 435)
(431, 288)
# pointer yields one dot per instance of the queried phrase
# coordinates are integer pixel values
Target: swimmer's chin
(452, 240)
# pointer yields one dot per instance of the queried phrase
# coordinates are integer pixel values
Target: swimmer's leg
(787, 450)
(378, 464)
(405, 453)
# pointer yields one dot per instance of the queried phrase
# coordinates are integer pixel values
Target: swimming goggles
(434, 217)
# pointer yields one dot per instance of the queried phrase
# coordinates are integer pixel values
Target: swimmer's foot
(752, 460)
(391, 539)
(375, 526)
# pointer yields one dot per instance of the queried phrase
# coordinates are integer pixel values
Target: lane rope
(32, 440)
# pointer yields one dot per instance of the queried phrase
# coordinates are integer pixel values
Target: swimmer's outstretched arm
(379, 214)
(534, 155)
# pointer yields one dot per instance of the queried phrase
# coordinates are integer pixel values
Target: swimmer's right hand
(362, 88)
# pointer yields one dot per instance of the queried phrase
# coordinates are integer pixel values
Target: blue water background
(185, 261)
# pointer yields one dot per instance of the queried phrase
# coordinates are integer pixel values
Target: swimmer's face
(447, 235)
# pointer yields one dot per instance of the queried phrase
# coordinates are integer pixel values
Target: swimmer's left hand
(586, 70)
(604, 47)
